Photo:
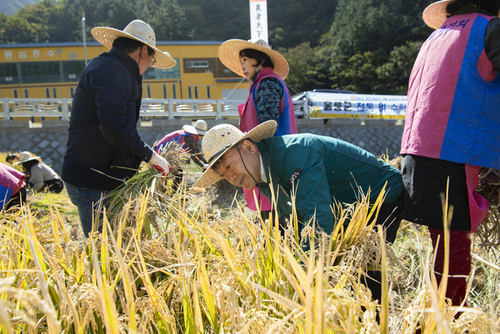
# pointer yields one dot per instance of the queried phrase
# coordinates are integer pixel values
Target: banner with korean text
(332, 105)
(258, 20)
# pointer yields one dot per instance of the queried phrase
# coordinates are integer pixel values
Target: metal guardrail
(150, 108)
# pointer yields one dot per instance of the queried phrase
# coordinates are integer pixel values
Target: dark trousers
(459, 265)
(17, 199)
(53, 186)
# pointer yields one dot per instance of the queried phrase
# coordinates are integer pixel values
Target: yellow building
(52, 70)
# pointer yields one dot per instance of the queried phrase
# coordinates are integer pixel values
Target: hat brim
(106, 36)
(25, 160)
(261, 131)
(193, 130)
(435, 14)
(229, 55)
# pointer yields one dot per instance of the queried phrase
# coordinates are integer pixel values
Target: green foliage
(371, 46)
(367, 46)
(218, 20)
(301, 59)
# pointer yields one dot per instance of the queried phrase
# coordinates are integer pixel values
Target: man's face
(145, 60)
(233, 170)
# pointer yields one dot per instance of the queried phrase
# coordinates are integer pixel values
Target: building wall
(49, 142)
(58, 55)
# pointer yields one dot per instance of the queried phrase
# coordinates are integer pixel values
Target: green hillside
(367, 46)
(10, 7)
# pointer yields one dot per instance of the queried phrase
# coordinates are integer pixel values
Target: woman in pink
(452, 128)
(269, 98)
(12, 187)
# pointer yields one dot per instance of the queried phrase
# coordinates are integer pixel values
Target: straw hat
(435, 14)
(221, 138)
(229, 55)
(25, 157)
(140, 31)
(199, 128)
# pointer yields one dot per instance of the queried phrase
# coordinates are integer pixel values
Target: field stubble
(205, 263)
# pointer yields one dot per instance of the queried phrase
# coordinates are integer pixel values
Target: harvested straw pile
(489, 186)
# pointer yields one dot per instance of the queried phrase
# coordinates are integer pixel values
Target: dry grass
(181, 264)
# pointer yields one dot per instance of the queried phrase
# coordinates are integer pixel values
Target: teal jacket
(320, 170)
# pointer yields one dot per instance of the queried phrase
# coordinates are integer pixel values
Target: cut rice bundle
(149, 180)
(489, 187)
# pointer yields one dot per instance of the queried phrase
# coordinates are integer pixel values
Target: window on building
(190, 95)
(71, 91)
(174, 91)
(15, 93)
(72, 70)
(54, 92)
(40, 72)
(164, 91)
(148, 89)
(47, 93)
(208, 92)
(163, 73)
(26, 95)
(8, 74)
(197, 64)
(195, 92)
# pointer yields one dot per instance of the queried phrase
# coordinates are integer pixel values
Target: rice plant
(170, 264)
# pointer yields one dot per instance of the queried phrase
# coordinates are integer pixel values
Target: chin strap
(238, 147)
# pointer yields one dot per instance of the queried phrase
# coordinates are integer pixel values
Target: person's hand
(160, 163)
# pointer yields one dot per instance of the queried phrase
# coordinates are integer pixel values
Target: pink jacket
(11, 180)
(249, 119)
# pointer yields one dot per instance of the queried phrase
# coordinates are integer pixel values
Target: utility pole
(83, 33)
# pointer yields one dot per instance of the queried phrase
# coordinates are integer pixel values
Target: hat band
(218, 153)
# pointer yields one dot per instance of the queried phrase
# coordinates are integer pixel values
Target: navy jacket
(321, 171)
(102, 134)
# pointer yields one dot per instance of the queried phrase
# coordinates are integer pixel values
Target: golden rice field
(204, 264)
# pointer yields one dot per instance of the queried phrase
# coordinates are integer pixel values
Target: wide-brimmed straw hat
(221, 138)
(435, 14)
(199, 128)
(140, 31)
(25, 157)
(229, 55)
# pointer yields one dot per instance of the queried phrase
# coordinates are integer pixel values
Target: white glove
(160, 163)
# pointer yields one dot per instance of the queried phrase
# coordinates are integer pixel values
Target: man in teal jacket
(319, 171)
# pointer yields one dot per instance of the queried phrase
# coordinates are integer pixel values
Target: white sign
(258, 20)
(334, 105)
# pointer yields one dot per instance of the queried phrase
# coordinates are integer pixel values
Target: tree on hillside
(392, 77)
(218, 20)
(302, 63)
(32, 23)
(168, 20)
(361, 38)
(293, 22)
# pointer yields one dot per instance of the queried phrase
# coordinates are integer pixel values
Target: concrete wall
(49, 142)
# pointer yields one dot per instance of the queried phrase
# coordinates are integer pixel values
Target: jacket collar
(128, 62)
(257, 76)
(266, 161)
